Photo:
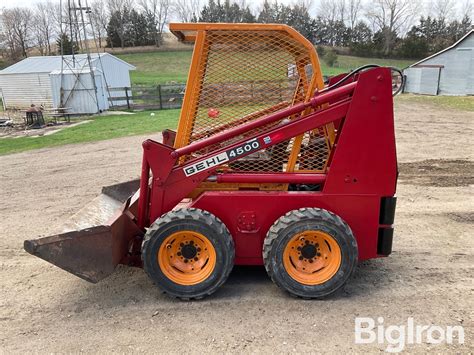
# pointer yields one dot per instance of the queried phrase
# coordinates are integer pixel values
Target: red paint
(362, 169)
(269, 178)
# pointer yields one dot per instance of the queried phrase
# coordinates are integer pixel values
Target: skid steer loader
(269, 165)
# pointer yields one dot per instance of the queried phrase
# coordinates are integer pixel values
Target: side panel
(364, 160)
(249, 215)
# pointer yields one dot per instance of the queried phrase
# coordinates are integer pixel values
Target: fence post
(159, 96)
(128, 99)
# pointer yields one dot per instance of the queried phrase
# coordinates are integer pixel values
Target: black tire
(298, 221)
(199, 221)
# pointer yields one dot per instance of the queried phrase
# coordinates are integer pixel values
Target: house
(448, 72)
(55, 81)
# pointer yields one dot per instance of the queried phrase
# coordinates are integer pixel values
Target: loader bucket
(95, 239)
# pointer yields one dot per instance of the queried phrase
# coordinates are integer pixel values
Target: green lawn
(346, 63)
(158, 67)
(104, 127)
(463, 103)
(166, 67)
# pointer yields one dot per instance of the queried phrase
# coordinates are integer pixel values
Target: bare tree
(17, 23)
(442, 9)
(305, 4)
(467, 9)
(8, 37)
(119, 5)
(341, 10)
(392, 17)
(328, 10)
(353, 9)
(99, 19)
(44, 26)
(186, 10)
(158, 12)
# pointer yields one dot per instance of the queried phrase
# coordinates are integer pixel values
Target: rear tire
(310, 252)
(188, 253)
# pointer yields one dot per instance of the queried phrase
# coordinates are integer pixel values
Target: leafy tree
(225, 12)
(361, 40)
(68, 46)
(117, 28)
(331, 57)
(299, 19)
(269, 13)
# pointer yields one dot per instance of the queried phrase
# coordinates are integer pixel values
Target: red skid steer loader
(269, 165)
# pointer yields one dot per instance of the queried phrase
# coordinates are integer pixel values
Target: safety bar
(314, 102)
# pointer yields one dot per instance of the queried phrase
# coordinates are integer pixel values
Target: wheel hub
(187, 257)
(311, 257)
(308, 251)
(189, 251)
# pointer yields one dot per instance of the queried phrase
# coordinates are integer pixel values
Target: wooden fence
(147, 97)
(222, 94)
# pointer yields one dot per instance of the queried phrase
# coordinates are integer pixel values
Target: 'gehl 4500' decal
(221, 158)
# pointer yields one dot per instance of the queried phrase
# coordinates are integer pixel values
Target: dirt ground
(428, 277)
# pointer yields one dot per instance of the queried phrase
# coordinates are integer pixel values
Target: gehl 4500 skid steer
(269, 166)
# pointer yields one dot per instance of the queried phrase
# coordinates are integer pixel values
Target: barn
(42, 81)
(448, 72)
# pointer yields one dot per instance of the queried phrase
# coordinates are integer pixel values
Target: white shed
(448, 72)
(82, 95)
(29, 81)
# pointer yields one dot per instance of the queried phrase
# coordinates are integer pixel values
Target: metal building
(34, 80)
(78, 89)
(448, 72)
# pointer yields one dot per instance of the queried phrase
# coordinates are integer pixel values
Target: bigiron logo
(398, 336)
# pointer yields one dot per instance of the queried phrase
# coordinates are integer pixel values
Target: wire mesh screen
(243, 76)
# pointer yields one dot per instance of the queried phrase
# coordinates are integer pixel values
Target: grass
(101, 128)
(463, 103)
(346, 63)
(165, 67)
(172, 67)
(158, 67)
(3, 63)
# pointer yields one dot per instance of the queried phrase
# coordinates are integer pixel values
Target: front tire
(310, 252)
(188, 253)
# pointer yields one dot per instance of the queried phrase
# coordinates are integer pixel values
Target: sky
(253, 3)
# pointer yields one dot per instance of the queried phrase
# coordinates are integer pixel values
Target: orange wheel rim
(312, 257)
(187, 257)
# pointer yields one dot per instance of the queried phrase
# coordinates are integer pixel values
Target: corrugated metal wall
(457, 72)
(115, 75)
(422, 80)
(22, 90)
(78, 91)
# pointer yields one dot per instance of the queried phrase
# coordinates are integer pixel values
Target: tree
(443, 9)
(300, 20)
(353, 9)
(226, 12)
(44, 26)
(390, 17)
(157, 13)
(65, 45)
(361, 40)
(117, 28)
(186, 10)
(269, 13)
(17, 23)
(415, 44)
(119, 21)
(330, 57)
(99, 19)
(138, 34)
